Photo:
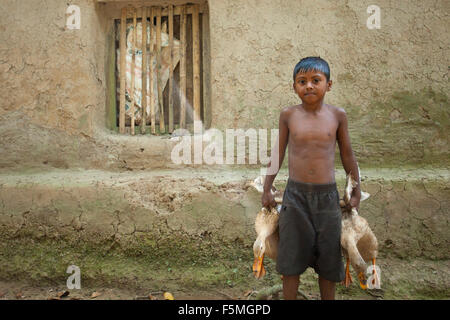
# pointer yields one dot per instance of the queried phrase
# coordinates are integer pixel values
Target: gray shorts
(310, 231)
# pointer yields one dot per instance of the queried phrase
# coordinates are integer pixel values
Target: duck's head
(259, 247)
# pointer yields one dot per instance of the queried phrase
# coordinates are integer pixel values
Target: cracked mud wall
(393, 82)
(409, 217)
(136, 228)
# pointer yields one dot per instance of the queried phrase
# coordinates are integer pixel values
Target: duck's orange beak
(258, 267)
(362, 281)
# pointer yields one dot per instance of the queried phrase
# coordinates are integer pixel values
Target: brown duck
(358, 242)
(266, 227)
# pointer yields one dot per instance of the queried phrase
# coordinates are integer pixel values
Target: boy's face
(311, 86)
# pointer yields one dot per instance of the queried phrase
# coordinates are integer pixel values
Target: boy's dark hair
(312, 63)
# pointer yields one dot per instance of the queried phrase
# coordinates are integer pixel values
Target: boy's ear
(330, 83)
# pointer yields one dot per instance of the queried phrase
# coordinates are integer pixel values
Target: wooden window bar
(147, 48)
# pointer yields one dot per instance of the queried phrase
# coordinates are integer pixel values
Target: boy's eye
(302, 81)
(316, 80)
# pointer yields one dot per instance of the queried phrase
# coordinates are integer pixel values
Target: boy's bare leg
(290, 287)
(327, 289)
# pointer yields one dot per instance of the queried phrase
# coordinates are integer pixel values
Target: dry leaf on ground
(168, 296)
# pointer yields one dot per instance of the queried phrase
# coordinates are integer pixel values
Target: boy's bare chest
(305, 129)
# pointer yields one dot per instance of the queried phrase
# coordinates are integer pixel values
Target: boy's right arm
(277, 158)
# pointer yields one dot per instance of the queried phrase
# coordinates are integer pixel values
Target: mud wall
(391, 81)
(185, 211)
(53, 92)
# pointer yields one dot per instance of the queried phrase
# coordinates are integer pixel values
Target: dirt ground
(400, 280)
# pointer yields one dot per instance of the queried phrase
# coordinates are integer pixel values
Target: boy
(310, 217)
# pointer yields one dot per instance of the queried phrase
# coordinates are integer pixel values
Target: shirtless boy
(310, 217)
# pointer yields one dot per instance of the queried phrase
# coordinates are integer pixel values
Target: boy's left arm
(347, 157)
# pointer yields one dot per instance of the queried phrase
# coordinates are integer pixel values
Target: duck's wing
(258, 184)
(348, 188)
(259, 221)
(364, 195)
(278, 196)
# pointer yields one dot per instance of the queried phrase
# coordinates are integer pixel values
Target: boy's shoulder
(335, 108)
(289, 109)
(286, 112)
(338, 112)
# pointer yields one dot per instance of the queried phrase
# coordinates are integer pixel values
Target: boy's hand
(355, 200)
(354, 203)
(268, 200)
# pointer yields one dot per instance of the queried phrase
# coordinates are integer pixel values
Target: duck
(266, 227)
(358, 242)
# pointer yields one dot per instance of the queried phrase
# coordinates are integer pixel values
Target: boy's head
(312, 80)
(312, 64)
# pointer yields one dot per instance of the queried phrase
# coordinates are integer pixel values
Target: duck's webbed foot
(375, 276)
(348, 277)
